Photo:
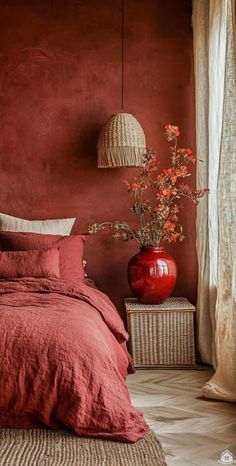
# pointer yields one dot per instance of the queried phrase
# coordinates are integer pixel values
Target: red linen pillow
(71, 250)
(38, 264)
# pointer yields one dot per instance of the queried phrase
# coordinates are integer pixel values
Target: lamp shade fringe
(121, 142)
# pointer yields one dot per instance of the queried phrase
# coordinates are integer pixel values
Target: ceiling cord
(122, 52)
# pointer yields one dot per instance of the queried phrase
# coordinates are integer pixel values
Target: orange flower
(165, 215)
(167, 171)
(175, 237)
(159, 208)
(183, 170)
(185, 187)
(172, 132)
(174, 191)
(174, 178)
(169, 226)
(187, 153)
(190, 155)
(136, 186)
(166, 191)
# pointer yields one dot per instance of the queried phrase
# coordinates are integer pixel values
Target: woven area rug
(35, 447)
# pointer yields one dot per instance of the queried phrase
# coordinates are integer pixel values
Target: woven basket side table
(161, 335)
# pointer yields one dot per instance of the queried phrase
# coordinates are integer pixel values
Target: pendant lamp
(121, 141)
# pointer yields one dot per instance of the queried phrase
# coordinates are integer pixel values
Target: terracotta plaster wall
(59, 81)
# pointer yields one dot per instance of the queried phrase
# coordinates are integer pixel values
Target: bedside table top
(170, 304)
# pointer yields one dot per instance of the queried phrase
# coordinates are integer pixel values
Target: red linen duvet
(62, 362)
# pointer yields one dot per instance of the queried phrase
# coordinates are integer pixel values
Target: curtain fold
(215, 76)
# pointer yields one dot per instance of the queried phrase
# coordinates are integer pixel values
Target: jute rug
(19, 447)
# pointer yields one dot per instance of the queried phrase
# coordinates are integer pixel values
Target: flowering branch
(158, 218)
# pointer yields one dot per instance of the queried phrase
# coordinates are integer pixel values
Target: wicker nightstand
(161, 335)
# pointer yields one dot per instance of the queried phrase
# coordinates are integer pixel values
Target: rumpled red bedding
(62, 361)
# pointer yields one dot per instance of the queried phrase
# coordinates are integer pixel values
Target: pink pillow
(71, 250)
(38, 264)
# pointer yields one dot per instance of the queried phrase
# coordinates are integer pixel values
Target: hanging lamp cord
(122, 52)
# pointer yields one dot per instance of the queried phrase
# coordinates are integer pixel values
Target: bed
(62, 343)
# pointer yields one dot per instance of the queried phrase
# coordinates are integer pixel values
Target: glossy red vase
(152, 275)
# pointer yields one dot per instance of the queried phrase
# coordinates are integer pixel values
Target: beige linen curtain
(215, 77)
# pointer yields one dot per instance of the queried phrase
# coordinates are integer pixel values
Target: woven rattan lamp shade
(121, 142)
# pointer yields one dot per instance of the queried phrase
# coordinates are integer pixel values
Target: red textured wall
(59, 81)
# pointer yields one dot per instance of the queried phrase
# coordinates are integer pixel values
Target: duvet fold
(63, 361)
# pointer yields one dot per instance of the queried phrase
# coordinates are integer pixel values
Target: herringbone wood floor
(193, 431)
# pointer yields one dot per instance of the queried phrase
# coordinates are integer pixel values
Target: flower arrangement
(158, 218)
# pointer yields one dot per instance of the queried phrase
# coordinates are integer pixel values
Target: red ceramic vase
(152, 275)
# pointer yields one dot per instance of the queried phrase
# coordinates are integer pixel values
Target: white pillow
(62, 226)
